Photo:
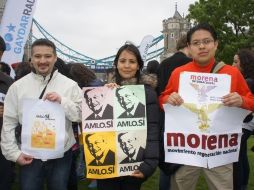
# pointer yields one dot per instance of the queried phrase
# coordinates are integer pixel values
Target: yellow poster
(43, 135)
(100, 150)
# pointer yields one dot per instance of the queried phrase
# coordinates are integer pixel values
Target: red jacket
(238, 83)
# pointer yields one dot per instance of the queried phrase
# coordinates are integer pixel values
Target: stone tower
(173, 29)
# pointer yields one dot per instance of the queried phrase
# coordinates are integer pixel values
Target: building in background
(173, 28)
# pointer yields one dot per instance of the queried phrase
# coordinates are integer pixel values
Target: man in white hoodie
(59, 89)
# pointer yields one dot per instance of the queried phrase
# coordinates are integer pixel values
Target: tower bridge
(173, 28)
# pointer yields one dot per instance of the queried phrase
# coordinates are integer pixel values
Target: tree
(233, 21)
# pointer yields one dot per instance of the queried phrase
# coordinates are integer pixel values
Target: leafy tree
(233, 21)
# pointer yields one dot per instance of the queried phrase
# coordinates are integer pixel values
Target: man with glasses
(202, 43)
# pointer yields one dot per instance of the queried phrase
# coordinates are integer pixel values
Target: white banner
(114, 129)
(204, 139)
(15, 27)
(144, 46)
(202, 132)
(43, 129)
(203, 88)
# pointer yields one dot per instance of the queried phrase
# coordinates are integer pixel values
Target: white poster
(15, 27)
(205, 141)
(203, 88)
(202, 132)
(114, 130)
(144, 46)
(43, 129)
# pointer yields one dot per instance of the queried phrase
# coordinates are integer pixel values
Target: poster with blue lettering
(114, 130)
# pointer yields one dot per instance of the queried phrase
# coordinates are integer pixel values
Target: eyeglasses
(204, 42)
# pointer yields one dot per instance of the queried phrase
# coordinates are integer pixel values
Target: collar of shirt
(134, 157)
(103, 157)
(102, 111)
(134, 109)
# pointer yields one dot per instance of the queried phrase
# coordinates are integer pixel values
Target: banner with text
(210, 133)
(114, 130)
(15, 28)
(144, 46)
(43, 129)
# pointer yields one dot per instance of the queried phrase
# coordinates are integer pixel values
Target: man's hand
(53, 97)
(1, 110)
(174, 99)
(138, 174)
(24, 159)
(232, 100)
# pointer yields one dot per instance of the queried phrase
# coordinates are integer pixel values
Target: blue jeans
(6, 172)
(164, 182)
(55, 172)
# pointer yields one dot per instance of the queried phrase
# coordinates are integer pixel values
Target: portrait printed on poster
(131, 146)
(101, 148)
(131, 102)
(98, 102)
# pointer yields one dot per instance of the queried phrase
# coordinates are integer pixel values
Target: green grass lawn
(153, 182)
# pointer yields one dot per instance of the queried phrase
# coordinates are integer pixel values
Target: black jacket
(5, 83)
(107, 114)
(138, 159)
(151, 152)
(167, 66)
(109, 160)
(139, 112)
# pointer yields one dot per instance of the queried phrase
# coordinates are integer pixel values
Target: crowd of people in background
(194, 52)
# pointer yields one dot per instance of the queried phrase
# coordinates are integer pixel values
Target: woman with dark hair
(82, 75)
(244, 61)
(128, 65)
(85, 77)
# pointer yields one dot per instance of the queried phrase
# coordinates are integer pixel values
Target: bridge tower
(173, 28)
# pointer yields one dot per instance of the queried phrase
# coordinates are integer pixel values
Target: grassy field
(153, 182)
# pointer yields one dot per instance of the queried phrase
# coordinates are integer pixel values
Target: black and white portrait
(95, 100)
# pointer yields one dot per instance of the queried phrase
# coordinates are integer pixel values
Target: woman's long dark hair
(246, 58)
(133, 49)
(81, 74)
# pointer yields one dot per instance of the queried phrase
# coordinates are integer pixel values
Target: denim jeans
(6, 172)
(164, 182)
(55, 172)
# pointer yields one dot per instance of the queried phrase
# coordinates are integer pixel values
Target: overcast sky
(97, 28)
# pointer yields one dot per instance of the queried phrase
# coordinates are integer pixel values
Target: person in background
(202, 43)
(85, 77)
(34, 171)
(6, 167)
(5, 68)
(2, 47)
(151, 73)
(22, 69)
(167, 66)
(128, 66)
(244, 61)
